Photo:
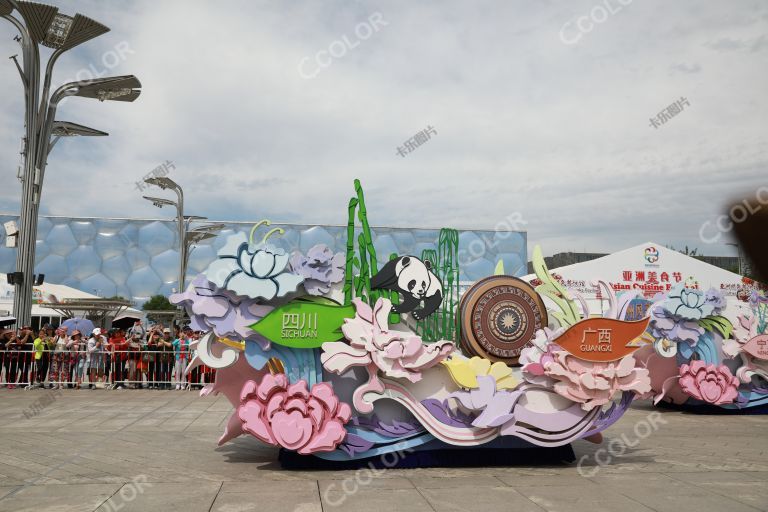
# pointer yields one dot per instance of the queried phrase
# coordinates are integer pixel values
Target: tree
(158, 303)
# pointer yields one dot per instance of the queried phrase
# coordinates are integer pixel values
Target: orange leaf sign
(602, 339)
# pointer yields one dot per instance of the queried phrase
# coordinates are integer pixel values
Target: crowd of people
(119, 359)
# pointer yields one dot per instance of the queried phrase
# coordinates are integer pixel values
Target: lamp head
(117, 88)
(67, 129)
(159, 201)
(50, 28)
(194, 237)
(162, 182)
(5, 8)
(210, 228)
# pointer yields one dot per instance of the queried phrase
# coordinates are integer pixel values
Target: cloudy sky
(541, 111)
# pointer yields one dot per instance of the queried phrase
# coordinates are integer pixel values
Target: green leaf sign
(304, 323)
(717, 323)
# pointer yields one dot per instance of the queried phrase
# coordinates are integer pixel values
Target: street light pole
(180, 220)
(167, 183)
(22, 298)
(192, 238)
(187, 237)
(160, 202)
(43, 24)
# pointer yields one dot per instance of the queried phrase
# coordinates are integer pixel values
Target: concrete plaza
(156, 451)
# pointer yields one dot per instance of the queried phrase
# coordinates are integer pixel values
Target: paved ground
(156, 451)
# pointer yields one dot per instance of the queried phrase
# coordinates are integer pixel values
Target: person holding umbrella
(137, 328)
(79, 324)
(79, 357)
(72, 325)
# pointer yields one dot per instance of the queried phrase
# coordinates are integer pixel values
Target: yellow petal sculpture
(465, 372)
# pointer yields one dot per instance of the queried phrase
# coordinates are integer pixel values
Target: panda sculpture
(415, 281)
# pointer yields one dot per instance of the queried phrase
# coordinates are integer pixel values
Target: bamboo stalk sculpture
(442, 324)
(362, 265)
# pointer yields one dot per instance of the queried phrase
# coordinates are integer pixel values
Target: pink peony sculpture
(538, 354)
(594, 384)
(292, 416)
(398, 354)
(665, 376)
(709, 383)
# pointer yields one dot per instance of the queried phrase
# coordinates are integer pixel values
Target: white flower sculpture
(253, 270)
(398, 354)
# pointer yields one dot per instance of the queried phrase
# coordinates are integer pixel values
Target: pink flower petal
(381, 313)
(326, 439)
(412, 347)
(253, 422)
(363, 310)
(710, 390)
(323, 392)
(709, 383)
(394, 350)
(427, 357)
(338, 357)
(296, 404)
(317, 412)
(275, 404)
(344, 412)
(291, 430)
(299, 390)
(248, 389)
(593, 383)
(271, 384)
(534, 369)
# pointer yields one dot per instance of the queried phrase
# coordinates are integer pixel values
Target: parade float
(707, 347)
(340, 357)
(708, 355)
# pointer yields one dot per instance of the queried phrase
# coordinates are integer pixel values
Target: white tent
(649, 269)
(49, 292)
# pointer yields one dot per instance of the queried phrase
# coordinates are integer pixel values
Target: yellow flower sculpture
(465, 372)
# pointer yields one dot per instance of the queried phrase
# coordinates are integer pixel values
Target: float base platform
(447, 457)
(713, 409)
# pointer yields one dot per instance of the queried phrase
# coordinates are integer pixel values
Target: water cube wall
(137, 258)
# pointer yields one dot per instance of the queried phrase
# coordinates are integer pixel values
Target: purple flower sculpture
(674, 328)
(321, 268)
(676, 318)
(757, 298)
(211, 308)
(495, 406)
(716, 299)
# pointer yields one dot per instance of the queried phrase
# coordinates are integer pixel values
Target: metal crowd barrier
(151, 369)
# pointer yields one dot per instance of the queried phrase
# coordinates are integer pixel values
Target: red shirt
(120, 345)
